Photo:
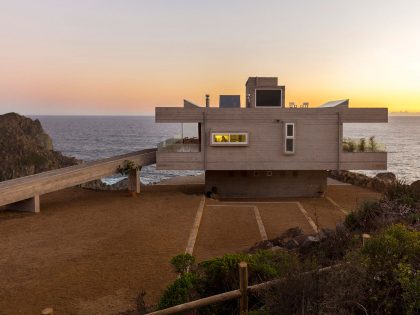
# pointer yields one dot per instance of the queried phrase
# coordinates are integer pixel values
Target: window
(268, 98)
(229, 138)
(289, 138)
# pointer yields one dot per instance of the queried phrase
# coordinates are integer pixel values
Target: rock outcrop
(379, 183)
(25, 148)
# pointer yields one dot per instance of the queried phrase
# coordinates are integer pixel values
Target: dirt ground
(91, 252)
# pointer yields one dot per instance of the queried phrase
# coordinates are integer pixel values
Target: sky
(125, 57)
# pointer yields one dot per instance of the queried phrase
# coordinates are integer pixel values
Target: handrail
(234, 294)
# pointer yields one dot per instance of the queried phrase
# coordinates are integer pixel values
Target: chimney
(207, 100)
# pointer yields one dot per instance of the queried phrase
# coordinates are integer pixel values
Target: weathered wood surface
(19, 189)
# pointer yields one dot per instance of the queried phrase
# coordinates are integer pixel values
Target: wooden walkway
(23, 193)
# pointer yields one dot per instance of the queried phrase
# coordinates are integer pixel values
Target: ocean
(95, 137)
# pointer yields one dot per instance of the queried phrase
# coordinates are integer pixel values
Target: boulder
(309, 242)
(261, 245)
(388, 177)
(382, 181)
(291, 233)
(415, 186)
(325, 233)
(292, 244)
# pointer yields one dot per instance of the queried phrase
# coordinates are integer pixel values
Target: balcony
(363, 154)
(179, 145)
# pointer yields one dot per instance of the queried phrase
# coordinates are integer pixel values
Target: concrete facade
(316, 143)
(266, 184)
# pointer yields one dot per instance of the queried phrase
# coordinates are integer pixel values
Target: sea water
(96, 137)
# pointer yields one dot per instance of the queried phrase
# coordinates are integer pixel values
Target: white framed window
(229, 138)
(289, 138)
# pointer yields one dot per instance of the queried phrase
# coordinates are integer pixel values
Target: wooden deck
(23, 193)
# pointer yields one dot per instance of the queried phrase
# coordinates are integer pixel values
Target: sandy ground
(91, 252)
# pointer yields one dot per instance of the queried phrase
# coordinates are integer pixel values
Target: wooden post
(365, 237)
(243, 287)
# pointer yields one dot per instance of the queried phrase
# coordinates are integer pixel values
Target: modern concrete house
(265, 149)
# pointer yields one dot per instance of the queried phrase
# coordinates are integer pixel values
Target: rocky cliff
(25, 148)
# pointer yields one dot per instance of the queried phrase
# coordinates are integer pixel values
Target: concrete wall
(251, 184)
(318, 141)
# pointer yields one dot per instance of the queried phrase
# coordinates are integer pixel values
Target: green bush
(373, 146)
(221, 274)
(402, 193)
(364, 218)
(349, 145)
(182, 263)
(393, 261)
(181, 291)
(362, 145)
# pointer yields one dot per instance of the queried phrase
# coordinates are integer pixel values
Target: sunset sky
(102, 57)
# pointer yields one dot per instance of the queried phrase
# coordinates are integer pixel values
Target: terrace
(363, 154)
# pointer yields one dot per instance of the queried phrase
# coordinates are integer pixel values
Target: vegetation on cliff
(25, 148)
(380, 277)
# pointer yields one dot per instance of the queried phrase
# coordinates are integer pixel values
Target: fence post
(47, 311)
(365, 237)
(243, 287)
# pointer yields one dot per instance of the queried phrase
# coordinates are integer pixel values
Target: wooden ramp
(23, 193)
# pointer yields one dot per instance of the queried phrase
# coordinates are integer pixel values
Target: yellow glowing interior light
(221, 137)
(237, 138)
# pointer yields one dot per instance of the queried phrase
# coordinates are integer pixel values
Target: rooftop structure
(266, 149)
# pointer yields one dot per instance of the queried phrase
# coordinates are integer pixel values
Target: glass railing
(179, 145)
(362, 145)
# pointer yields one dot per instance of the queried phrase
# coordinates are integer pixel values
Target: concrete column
(28, 205)
(134, 181)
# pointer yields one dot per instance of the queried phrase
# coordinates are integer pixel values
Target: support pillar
(134, 181)
(27, 205)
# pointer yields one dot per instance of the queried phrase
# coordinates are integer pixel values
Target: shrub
(393, 261)
(349, 145)
(373, 145)
(221, 274)
(181, 291)
(182, 263)
(365, 216)
(127, 167)
(381, 278)
(401, 192)
(362, 145)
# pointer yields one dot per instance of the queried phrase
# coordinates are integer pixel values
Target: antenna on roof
(207, 100)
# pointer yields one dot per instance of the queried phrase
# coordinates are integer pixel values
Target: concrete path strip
(260, 224)
(196, 226)
(307, 216)
(301, 208)
(337, 205)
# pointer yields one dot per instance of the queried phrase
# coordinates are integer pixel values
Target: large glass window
(229, 138)
(268, 98)
(289, 138)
